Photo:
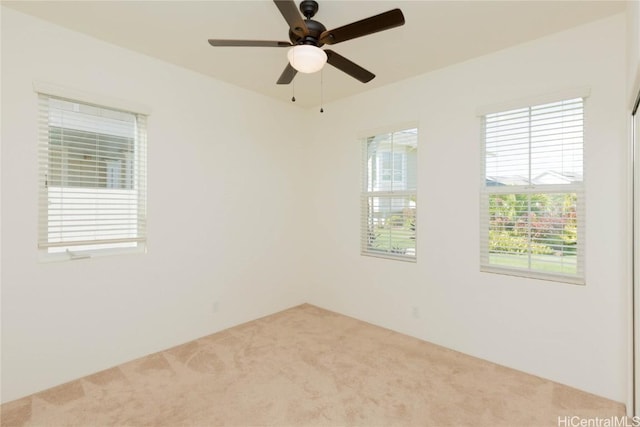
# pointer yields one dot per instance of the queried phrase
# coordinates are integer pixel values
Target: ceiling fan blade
(351, 68)
(287, 75)
(248, 43)
(384, 21)
(290, 12)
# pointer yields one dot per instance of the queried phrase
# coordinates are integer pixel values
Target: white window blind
(389, 198)
(92, 165)
(532, 201)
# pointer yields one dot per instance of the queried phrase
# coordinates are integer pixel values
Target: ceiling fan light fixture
(307, 58)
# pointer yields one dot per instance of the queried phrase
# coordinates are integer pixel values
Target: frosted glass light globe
(307, 58)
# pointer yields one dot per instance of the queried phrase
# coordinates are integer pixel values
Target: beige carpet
(306, 367)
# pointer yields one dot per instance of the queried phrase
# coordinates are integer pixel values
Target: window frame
(577, 188)
(138, 173)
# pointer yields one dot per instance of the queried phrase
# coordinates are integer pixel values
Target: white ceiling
(436, 34)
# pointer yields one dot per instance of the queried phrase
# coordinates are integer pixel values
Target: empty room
(331, 213)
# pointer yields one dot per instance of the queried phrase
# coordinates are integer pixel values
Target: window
(389, 195)
(92, 163)
(389, 168)
(532, 201)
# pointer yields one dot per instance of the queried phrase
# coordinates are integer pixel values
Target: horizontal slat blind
(92, 163)
(389, 198)
(535, 145)
(532, 203)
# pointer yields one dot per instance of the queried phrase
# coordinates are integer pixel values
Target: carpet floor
(307, 367)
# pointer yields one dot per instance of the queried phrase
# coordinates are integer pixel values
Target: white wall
(573, 334)
(224, 223)
(633, 49)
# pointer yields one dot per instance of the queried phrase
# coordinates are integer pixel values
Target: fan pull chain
(293, 91)
(321, 90)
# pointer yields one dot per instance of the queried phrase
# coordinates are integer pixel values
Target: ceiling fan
(308, 36)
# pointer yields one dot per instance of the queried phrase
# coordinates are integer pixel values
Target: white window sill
(46, 257)
(574, 280)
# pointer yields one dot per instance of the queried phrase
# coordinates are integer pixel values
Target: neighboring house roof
(507, 180)
(553, 177)
(547, 177)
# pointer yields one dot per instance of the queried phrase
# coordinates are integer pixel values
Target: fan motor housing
(313, 38)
